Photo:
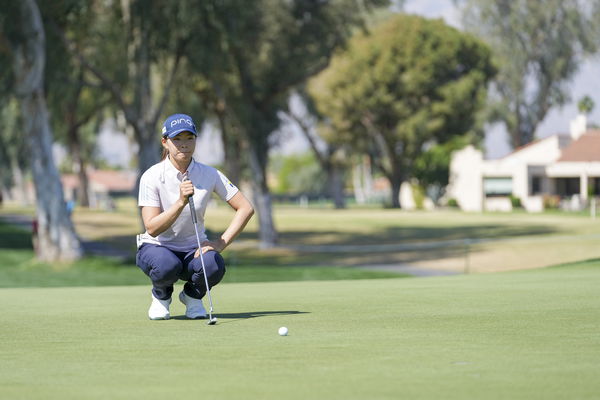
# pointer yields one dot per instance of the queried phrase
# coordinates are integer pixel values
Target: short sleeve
(224, 188)
(148, 194)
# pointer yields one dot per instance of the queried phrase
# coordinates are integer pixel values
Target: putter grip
(191, 203)
(192, 210)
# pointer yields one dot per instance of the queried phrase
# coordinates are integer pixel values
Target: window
(494, 187)
(567, 187)
(536, 185)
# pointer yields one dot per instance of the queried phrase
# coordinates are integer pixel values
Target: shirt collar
(172, 172)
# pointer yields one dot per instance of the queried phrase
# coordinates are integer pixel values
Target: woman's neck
(180, 166)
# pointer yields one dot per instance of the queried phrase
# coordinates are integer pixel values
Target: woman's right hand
(186, 189)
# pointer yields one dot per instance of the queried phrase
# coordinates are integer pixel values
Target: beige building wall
(466, 180)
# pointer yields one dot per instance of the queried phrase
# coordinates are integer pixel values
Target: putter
(211, 320)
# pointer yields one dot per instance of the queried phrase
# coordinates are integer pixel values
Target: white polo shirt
(159, 187)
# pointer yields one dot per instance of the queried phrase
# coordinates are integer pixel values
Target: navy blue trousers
(165, 267)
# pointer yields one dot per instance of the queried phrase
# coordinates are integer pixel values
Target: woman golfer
(168, 250)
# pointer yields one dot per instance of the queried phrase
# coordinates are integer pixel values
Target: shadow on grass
(14, 237)
(233, 317)
(406, 234)
(358, 257)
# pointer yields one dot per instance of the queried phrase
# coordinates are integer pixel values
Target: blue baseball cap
(177, 123)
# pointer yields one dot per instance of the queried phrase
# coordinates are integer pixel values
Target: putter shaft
(211, 321)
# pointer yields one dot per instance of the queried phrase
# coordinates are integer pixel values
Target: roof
(562, 138)
(585, 149)
(112, 181)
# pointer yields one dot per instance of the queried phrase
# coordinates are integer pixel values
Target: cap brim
(177, 132)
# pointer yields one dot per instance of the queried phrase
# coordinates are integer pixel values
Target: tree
(138, 45)
(266, 49)
(409, 84)
(13, 149)
(56, 235)
(331, 156)
(298, 174)
(73, 101)
(585, 105)
(538, 47)
(432, 167)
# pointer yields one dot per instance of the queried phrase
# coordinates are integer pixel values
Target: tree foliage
(299, 174)
(407, 85)
(585, 105)
(538, 47)
(260, 53)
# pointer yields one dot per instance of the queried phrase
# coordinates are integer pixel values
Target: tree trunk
(148, 155)
(335, 179)
(262, 201)
(77, 157)
(57, 240)
(149, 151)
(75, 143)
(396, 193)
(396, 178)
(362, 181)
(231, 147)
(84, 184)
(357, 186)
(19, 192)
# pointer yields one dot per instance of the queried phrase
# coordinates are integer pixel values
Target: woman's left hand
(214, 245)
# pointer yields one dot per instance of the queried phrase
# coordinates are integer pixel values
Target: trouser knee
(166, 273)
(215, 270)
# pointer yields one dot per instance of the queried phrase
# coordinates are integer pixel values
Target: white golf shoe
(159, 309)
(193, 307)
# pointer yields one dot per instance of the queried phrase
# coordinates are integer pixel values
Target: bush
(418, 196)
(515, 201)
(551, 202)
(452, 203)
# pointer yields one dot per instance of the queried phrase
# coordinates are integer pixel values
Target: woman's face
(181, 147)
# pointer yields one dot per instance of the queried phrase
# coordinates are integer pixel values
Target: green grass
(519, 335)
(19, 268)
(516, 240)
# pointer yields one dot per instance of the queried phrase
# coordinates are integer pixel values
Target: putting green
(530, 334)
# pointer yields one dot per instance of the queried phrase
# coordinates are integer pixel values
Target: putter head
(212, 321)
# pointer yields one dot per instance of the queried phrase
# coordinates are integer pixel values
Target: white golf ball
(283, 331)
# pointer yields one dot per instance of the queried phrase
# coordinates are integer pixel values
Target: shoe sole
(160, 318)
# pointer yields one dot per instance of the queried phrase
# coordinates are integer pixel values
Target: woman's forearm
(155, 225)
(238, 222)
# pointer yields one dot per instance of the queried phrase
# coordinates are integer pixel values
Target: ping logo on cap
(180, 120)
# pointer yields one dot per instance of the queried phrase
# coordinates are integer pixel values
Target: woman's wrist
(180, 203)
(223, 243)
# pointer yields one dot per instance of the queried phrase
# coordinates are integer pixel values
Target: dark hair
(165, 152)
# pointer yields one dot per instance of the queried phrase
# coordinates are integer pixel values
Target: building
(104, 185)
(557, 171)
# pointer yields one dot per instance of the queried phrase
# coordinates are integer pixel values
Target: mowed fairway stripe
(530, 334)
